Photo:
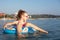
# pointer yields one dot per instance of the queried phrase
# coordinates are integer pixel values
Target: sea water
(52, 25)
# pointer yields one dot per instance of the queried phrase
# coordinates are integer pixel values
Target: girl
(21, 21)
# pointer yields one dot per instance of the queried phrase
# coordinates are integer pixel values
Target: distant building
(2, 14)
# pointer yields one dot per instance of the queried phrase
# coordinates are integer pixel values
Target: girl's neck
(22, 20)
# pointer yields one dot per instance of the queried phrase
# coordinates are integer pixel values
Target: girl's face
(25, 16)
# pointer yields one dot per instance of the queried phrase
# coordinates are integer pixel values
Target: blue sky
(31, 6)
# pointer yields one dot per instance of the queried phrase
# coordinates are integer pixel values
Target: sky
(31, 6)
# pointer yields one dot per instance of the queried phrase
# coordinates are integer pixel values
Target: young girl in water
(21, 21)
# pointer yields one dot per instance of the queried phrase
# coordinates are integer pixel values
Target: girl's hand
(46, 32)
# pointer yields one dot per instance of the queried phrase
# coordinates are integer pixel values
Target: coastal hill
(45, 16)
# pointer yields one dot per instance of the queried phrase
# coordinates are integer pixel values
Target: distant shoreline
(7, 19)
(15, 19)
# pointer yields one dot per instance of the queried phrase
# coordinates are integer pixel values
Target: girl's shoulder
(28, 23)
(15, 22)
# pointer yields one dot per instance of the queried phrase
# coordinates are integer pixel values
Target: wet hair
(20, 12)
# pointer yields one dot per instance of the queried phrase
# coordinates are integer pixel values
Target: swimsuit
(22, 25)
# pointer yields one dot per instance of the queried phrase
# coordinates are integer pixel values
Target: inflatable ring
(24, 30)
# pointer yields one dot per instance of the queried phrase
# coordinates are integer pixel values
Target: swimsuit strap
(23, 24)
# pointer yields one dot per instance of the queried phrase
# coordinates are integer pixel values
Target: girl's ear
(22, 16)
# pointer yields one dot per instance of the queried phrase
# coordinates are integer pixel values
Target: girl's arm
(19, 30)
(10, 23)
(37, 28)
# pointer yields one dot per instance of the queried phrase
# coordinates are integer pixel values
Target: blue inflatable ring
(24, 30)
